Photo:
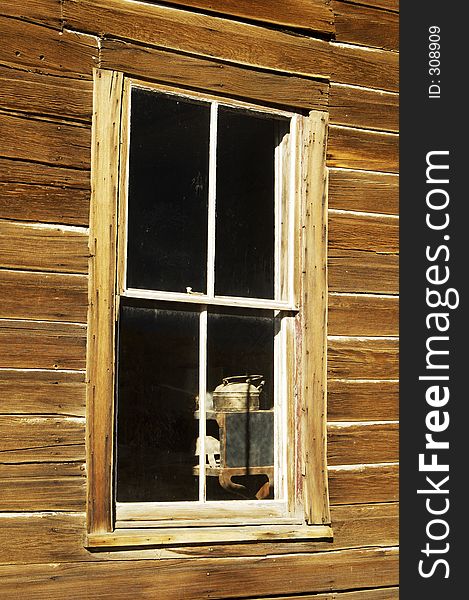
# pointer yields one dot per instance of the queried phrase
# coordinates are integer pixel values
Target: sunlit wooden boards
(231, 579)
(364, 108)
(215, 76)
(232, 41)
(313, 15)
(365, 25)
(362, 400)
(44, 50)
(58, 537)
(363, 191)
(44, 12)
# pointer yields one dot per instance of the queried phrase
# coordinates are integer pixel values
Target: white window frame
(300, 508)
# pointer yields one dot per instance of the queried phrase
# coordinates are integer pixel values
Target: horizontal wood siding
(38, 248)
(351, 400)
(337, 56)
(42, 345)
(363, 191)
(41, 439)
(42, 392)
(315, 15)
(366, 26)
(218, 77)
(43, 296)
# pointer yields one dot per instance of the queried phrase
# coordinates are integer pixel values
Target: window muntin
(202, 166)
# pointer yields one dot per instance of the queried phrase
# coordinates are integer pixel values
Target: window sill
(207, 535)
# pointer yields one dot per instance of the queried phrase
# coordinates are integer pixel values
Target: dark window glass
(244, 263)
(168, 193)
(157, 385)
(240, 402)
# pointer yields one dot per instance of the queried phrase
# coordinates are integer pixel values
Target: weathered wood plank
(361, 191)
(45, 141)
(19, 171)
(41, 345)
(384, 4)
(358, 358)
(44, 95)
(42, 203)
(390, 593)
(358, 149)
(199, 34)
(42, 392)
(313, 15)
(44, 486)
(372, 68)
(232, 41)
(41, 248)
(348, 231)
(204, 74)
(42, 50)
(231, 578)
(59, 538)
(362, 400)
(43, 296)
(368, 109)
(359, 444)
(354, 271)
(368, 483)
(43, 12)
(41, 439)
(363, 315)
(356, 24)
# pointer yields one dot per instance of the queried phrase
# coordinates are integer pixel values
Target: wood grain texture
(238, 578)
(42, 345)
(313, 15)
(40, 94)
(369, 483)
(359, 444)
(377, 69)
(42, 392)
(366, 26)
(59, 538)
(363, 315)
(362, 400)
(348, 231)
(107, 114)
(45, 141)
(392, 5)
(26, 172)
(43, 296)
(390, 593)
(43, 203)
(214, 76)
(43, 12)
(355, 358)
(43, 248)
(368, 109)
(41, 439)
(350, 148)
(355, 271)
(42, 50)
(314, 224)
(42, 486)
(201, 35)
(365, 192)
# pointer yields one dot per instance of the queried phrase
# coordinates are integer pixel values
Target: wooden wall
(336, 55)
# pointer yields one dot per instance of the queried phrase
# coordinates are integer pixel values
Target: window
(206, 344)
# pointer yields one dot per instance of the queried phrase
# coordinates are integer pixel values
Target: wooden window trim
(307, 482)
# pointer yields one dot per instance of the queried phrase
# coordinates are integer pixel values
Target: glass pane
(244, 263)
(168, 193)
(157, 385)
(240, 406)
